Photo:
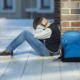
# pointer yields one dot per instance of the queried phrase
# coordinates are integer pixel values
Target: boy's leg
(34, 43)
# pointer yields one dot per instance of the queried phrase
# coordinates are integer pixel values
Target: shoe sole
(5, 58)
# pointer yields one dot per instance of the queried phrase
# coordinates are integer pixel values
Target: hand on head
(40, 23)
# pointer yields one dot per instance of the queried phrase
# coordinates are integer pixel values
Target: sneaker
(4, 53)
(51, 54)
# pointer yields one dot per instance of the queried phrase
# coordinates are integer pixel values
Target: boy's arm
(43, 34)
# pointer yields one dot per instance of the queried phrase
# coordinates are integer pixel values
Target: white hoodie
(41, 33)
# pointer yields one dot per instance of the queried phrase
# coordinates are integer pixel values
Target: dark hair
(37, 21)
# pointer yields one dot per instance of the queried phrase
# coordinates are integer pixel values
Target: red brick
(68, 29)
(57, 11)
(70, 5)
(64, 0)
(64, 11)
(70, 17)
(56, 15)
(75, 0)
(65, 24)
(75, 11)
(75, 24)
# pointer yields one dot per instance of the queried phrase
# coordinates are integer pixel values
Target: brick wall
(57, 11)
(70, 15)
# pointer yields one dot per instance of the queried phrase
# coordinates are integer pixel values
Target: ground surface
(26, 64)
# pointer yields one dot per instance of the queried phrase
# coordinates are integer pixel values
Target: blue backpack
(71, 46)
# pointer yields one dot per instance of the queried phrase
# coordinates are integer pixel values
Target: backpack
(70, 46)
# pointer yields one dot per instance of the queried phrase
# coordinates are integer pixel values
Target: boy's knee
(26, 32)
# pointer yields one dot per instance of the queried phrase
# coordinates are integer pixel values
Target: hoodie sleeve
(43, 34)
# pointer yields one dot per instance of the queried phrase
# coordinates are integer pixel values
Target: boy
(45, 42)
